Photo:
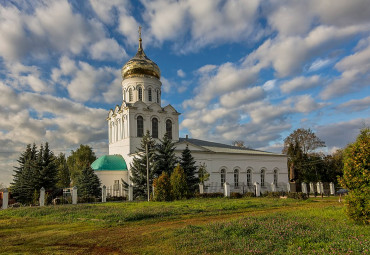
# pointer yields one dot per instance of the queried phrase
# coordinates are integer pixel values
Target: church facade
(141, 110)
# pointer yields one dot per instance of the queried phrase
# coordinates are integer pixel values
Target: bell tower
(141, 109)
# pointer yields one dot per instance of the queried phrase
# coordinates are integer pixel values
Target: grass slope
(197, 226)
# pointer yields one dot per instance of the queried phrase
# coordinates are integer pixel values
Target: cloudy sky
(237, 70)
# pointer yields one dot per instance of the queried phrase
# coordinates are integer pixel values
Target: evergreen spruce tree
(187, 162)
(138, 166)
(63, 175)
(88, 183)
(165, 156)
(47, 169)
(22, 186)
(179, 186)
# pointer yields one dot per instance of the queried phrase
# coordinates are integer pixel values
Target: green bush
(356, 177)
(162, 188)
(249, 194)
(210, 195)
(236, 195)
(297, 195)
(271, 194)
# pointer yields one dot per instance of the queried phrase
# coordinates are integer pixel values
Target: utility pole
(147, 170)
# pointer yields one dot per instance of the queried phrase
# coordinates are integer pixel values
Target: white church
(141, 110)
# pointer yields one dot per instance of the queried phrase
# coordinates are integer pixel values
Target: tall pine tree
(187, 162)
(47, 168)
(138, 166)
(165, 156)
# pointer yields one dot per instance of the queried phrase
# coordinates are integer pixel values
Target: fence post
(273, 187)
(201, 188)
(332, 189)
(5, 198)
(257, 189)
(74, 195)
(130, 193)
(104, 194)
(312, 188)
(288, 187)
(304, 188)
(42, 197)
(226, 189)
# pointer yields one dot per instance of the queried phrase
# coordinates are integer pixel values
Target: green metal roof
(109, 163)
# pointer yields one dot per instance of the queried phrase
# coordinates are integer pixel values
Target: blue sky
(237, 70)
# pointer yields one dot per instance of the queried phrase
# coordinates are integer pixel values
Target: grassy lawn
(197, 226)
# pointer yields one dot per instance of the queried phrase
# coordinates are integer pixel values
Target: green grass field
(196, 226)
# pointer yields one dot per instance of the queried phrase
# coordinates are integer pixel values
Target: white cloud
(300, 83)
(107, 49)
(318, 64)
(52, 26)
(356, 105)
(181, 73)
(355, 73)
(243, 96)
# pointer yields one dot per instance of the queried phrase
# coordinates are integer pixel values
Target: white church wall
(217, 161)
(107, 178)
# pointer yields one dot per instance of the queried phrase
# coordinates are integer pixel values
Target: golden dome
(140, 65)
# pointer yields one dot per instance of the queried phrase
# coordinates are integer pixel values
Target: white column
(130, 193)
(257, 187)
(332, 189)
(201, 188)
(227, 189)
(304, 188)
(74, 195)
(42, 197)
(312, 188)
(322, 187)
(288, 187)
(5, 198)
(273, 187)
(104, 194)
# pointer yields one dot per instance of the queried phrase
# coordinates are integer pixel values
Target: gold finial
(140, 44)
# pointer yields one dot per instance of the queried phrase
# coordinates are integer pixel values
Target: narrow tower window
(130, 95)
(150, 95)
(169, 128)
(158, 96)
(140, 126)
(140, 94)
(155, 128)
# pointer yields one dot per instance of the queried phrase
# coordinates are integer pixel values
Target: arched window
(140, 94)
(249, 177)
(262, 177)
(169, 128)
(236, 178)
(223, 177)
(155, 128)
(150, 95)
(140, 126)
(158, 96)
(275, 177)
(130, 99)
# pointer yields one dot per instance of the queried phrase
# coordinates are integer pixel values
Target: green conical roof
(109, 163)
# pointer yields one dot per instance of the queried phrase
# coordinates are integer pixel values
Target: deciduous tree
(80, 159)
(356, 177)
(162, 188)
